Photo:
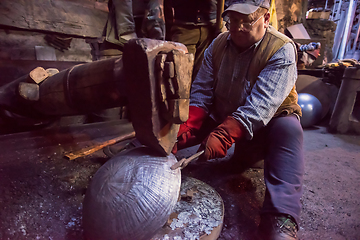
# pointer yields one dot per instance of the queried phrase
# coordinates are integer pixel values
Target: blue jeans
(280, 144)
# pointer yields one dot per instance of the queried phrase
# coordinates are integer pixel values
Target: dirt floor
(41, 192)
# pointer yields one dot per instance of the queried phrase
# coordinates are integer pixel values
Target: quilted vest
(272, 42)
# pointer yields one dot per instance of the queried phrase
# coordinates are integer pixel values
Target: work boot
(277, 227)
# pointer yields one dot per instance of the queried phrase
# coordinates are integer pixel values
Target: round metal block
(311, 109)
(131, 196)
(199, 213)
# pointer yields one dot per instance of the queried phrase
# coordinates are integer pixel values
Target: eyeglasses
(240, 25)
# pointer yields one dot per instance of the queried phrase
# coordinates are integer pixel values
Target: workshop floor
(41, 192)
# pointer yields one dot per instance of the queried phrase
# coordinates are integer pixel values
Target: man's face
(245, 31)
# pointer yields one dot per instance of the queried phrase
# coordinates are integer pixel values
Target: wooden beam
(59, 16)
(13, 69)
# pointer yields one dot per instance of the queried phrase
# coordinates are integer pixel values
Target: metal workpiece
(131, 196)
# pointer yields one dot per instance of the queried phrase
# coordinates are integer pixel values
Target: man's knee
(286, 127)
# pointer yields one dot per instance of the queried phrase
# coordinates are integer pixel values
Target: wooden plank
(66, 17)
(96, 147)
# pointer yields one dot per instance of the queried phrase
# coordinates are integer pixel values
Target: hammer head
(158, 81)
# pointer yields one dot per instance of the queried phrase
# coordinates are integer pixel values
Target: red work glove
(188, 129)
(221, 139)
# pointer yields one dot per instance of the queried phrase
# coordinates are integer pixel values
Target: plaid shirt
(257, 105)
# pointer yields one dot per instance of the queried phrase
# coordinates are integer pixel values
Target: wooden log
(83, 88)
(14, 69)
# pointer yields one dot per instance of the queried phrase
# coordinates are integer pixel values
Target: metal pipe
(357, 35)
(336, 12)
(347, 30)
(339, 7)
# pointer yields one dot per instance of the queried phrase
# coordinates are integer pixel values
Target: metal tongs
(185, 161)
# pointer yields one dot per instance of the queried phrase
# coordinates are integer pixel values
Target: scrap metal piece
(199, 214)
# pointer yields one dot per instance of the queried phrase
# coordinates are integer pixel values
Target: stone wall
(289, 12)
(325, 30)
